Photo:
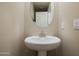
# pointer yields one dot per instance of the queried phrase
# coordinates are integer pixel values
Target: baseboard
(5, 54)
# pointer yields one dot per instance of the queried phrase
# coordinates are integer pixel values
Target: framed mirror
(43, 13)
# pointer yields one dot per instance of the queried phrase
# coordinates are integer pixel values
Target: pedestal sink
(42, 44)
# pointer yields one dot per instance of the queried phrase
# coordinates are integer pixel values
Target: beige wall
(67, 13)
(11, 28)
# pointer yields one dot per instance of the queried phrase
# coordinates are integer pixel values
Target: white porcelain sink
(42, 44)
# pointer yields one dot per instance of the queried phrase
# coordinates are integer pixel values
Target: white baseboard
(5, 54)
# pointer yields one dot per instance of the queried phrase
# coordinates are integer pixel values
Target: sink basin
(42, 43)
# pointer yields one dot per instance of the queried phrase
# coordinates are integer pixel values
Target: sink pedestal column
(42, 53)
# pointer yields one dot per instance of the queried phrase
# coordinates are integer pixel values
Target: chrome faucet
(42, 34)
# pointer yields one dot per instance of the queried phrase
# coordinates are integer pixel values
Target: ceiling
(40, 6)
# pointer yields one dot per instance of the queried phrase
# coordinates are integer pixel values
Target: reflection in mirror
(43, 13)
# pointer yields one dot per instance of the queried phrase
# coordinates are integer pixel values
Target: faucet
(42, 34)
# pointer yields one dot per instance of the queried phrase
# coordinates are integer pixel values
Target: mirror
(43, 13)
